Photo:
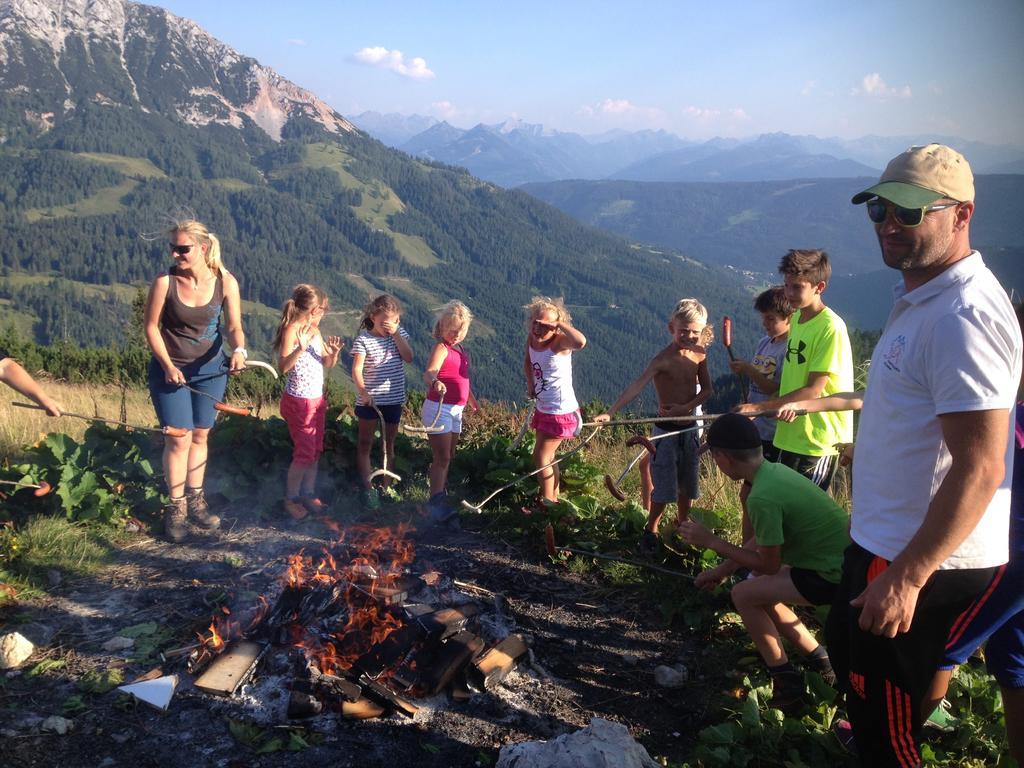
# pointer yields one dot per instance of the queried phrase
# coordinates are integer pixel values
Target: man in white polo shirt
(931, 472)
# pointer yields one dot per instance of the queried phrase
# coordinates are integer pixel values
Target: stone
(671, 677)
(54, 577)
(602, 744)
(15, 648)
(56, 724)
(630, 660)
(115, 644)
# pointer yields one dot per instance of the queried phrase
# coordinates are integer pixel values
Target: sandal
(295, 509)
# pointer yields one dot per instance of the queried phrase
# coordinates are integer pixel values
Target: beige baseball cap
(922, 175)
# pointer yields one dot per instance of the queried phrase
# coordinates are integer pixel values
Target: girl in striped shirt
(378, 354)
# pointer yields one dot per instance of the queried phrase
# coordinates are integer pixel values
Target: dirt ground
(593, 654)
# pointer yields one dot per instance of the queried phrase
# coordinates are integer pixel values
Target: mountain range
(115, 117)
(514, 153)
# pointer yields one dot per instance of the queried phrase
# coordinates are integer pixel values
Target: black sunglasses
(905, 217)
(181, 250)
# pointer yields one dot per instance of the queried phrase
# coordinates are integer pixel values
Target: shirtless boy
(676, 372)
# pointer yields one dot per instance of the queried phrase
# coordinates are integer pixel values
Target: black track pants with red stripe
(885, 680)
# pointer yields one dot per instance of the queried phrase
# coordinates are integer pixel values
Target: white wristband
(241, 351)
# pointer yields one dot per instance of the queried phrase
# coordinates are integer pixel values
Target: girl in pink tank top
(448, 392)
(550, 342)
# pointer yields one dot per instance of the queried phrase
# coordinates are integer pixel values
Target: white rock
(14, 649)
(602, 744)
(671, 677)
(56, 724)
(115, 644)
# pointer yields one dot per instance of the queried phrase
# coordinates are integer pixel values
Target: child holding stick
(303, 355)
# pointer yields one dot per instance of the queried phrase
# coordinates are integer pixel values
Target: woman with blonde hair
(183, 329)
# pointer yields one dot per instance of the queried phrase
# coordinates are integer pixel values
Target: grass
(104, 201)
(20, 427)
(378, 204)
(133, 167)
(122, 291)
(43, 544)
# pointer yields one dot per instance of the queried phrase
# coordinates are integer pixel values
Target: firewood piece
(455, 653)
(377, 692)
(363, 709)
(460, 688)
(391, 650)
(302, 705)
(229, 671)
(405, 678)
(449, 621)
(339, 687)
(495, 664)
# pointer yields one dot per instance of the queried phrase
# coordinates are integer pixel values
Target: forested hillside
(88, 201)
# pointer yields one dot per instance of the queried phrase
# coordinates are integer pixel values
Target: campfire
(365, 634)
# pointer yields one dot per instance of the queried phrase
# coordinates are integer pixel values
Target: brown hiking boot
(199, 510)
(176, 520)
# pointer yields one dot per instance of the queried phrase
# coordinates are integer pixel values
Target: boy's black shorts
(814, 588)
(818, 469)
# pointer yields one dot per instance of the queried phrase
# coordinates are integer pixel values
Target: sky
(733, 68)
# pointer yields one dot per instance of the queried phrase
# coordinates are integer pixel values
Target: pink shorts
(562, 425)
(306, 418)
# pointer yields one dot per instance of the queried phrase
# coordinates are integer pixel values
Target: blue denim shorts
(178, 407)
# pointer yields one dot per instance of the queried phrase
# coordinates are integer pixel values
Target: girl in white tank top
(550, 342)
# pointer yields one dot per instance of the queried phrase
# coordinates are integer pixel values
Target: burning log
(377, 692)
(335, 686)
(302, 705)
(363, 709)
(494, 665)
(452, 657)
(232, 669)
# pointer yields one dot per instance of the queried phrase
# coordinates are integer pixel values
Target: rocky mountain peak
(117, 53)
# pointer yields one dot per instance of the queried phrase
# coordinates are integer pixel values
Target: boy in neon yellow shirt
(819, 363)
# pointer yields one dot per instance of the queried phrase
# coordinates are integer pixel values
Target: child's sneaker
(295, 509)
(940, 719)
(313, 504)
(787, 691)
(199, 510)
(844, 735)
(176, 520)
(439, 508)
(371, 499)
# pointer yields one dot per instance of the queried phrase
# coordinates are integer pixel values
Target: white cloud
(872, 85)
(415, 68)
(809, 88)
(444, 109)
(623, 111)
(296, 41)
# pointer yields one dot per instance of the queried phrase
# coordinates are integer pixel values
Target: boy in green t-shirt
(796, 552)
(819, 362)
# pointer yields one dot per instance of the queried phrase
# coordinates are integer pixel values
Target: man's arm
(766, 560)
(977, 443)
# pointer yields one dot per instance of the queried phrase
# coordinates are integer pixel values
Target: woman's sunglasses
(181, 250)
(543, 327)
(905, 217)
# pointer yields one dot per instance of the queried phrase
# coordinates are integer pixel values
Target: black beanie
(733, 432)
